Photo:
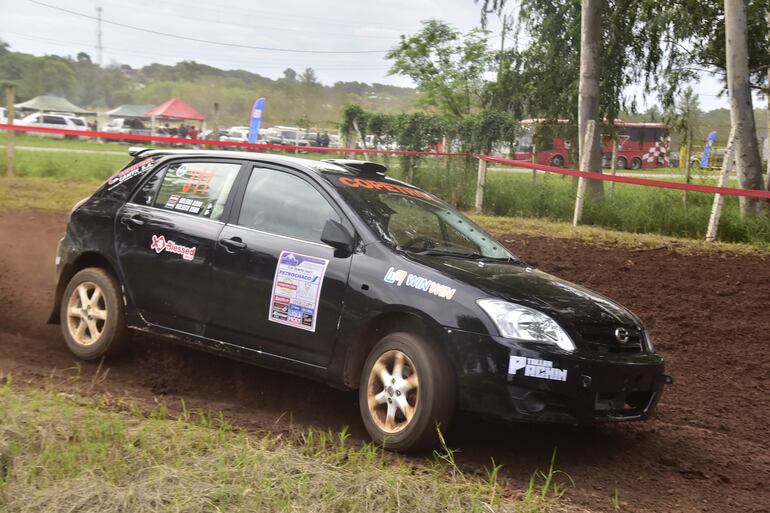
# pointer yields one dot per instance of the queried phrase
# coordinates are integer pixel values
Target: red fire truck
(640, 145)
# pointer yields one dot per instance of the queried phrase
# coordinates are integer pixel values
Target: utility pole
(99, 47)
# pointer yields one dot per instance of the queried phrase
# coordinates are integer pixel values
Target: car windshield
(412, 220)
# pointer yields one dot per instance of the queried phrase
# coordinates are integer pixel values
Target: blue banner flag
(710, 140)
(256, 119)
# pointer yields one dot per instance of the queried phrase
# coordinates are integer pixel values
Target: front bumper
(530, 382)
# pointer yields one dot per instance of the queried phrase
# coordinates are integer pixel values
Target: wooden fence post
(613, 164)
(585, 163)
(481, 181)
(9, 114)
(716, 207)
(534, 161)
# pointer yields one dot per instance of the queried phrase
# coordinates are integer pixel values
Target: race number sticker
(297, 290)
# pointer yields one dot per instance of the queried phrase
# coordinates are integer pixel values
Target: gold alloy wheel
(392, 391)
(86, 313)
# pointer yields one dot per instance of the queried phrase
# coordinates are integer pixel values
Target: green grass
(631, 208)
(44, 193)
(62, 452)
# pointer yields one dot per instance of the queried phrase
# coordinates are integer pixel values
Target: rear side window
(280, 203)
(54, 120)
(78, 122)
(198, 189)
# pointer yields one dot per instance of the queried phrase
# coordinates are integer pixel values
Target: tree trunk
(588, 99)
(767, 94)
(747, 159)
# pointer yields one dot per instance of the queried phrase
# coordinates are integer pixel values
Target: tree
(747, 158)
(447, 67)
(682, 119)
(588, 96)
(289, 75)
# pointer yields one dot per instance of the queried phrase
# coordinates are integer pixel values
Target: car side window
(198, 189)
(281, 203)
(146, 195)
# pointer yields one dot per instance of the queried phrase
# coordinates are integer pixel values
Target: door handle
(132, 221)
(233, 244)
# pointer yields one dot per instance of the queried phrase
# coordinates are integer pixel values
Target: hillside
(296, 98)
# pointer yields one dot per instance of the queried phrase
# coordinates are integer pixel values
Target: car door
(166, 236)
(281, 288)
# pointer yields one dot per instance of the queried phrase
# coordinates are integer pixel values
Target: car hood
(530, 287)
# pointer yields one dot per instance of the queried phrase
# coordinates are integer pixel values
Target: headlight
(522, 323)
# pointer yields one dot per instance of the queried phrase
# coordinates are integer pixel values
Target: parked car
(3, 118)
(127, 126)
(334, 271)
(236, 134)
(55, 120)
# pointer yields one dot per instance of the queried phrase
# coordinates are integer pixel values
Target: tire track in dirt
(707, 449)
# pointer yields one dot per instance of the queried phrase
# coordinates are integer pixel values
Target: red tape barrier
(727, 191)
(211, 142)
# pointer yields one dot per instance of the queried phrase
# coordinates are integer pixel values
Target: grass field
(62, 452)
(629, 208)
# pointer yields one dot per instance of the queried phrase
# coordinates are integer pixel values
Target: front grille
(601, 339)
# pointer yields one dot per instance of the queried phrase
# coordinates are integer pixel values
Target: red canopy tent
(174, 109)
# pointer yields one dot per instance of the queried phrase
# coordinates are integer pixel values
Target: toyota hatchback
(334, 271)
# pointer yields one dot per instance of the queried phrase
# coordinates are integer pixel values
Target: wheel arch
(391, 321)
(83, 261)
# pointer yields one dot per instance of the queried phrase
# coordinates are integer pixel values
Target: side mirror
(337, 236)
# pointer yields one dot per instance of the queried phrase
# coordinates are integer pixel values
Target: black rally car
(333, 271)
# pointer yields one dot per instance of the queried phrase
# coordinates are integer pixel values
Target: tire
(98, 329)
(636, 163)
(557, 161)
(427, 393)
(621, 163)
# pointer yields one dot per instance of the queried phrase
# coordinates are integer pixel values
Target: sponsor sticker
(297, 290)
(172, 201)
(400, 277)
(130, 172)
(384, 186)
(536, 368)
(160, 244)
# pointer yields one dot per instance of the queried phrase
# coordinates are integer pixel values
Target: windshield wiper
(441, 252)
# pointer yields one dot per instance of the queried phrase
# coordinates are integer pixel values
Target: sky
(305, 26)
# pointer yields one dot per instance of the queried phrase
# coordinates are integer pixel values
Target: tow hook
(666, 379)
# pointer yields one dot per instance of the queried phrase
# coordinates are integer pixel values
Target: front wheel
(636, 163)
(92, 318)
(407, 392)
(557, 161)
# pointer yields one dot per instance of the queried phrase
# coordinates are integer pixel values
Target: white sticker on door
(297, 290)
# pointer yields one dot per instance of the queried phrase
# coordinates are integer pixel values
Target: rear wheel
(92, 318)
(407, 392)
(621, 163)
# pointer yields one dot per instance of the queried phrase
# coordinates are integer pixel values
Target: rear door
(281, 287)
(166, 237)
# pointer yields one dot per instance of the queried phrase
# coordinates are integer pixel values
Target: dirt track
(707, 450)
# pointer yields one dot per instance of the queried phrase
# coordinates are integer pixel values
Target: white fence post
(585, 161)
(716, 207)
(481, 181)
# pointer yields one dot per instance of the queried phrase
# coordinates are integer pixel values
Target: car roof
(346, 167)
(314, 165)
